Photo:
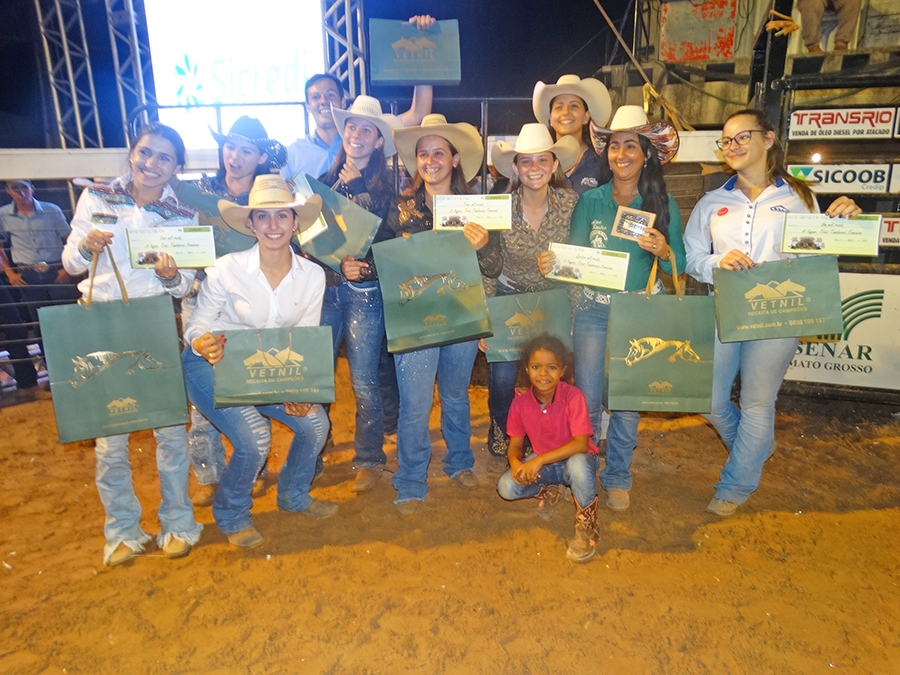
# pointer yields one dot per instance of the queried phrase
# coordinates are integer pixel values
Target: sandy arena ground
(804, 579)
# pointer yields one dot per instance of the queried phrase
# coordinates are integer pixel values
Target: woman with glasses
(737, 227)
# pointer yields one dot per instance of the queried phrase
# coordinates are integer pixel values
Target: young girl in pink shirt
(553, 415)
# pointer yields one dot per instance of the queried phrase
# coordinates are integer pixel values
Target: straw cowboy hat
(368, 108)
(591, 91)
(633, 118)
(533, 139)
(464, 137)
(251, 130)
(270, 192)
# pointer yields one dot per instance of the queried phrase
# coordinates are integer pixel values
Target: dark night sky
(507, 45)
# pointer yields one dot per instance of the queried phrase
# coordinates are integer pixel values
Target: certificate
(190, 246)
(492, 212)
(631, 223)
(590, 266)
(817, 233)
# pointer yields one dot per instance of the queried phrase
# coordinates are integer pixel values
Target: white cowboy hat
(270, 192)
(464, 137)
(535, 138)
(592, 92)
(368, 108)
(632, 118)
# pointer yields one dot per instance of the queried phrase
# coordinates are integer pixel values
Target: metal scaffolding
(131, 58)
(345, 43)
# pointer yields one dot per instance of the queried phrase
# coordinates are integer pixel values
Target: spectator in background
(36, 232)
(811, 13)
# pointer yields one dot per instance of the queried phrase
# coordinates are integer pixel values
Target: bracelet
(170, 283)
(85, 252)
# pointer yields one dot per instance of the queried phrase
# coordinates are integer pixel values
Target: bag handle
(94, 258)
(651, 280)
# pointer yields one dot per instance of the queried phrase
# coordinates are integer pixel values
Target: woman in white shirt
(266, 286)
(104, 213)
(737, 227)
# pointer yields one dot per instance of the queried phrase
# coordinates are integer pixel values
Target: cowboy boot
(582, 548)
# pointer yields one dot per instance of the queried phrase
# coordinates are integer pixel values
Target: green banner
(400, 53)
(432, 291)
(659, 353)
(350, 228)
(784, 298)
(275, 365)
(518, 318)
(114, 368)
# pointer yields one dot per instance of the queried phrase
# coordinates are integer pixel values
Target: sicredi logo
(844, 178)
(843, 123)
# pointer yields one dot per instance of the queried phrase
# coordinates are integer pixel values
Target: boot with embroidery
(583, 547)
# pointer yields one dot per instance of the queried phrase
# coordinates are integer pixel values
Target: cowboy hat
(533, 139)
(251, 130)
(661, 135)
(591, 91)
(368, 108)
(464, 137)
(270, 192)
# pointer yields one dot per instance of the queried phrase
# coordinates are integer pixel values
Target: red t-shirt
(553, 425)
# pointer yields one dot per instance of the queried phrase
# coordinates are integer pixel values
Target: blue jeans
(250, 434)
(749, 431)
(416, 373)
(355, 314)
(502, 377)
(589, 338)
(578, 472)
(123, 510)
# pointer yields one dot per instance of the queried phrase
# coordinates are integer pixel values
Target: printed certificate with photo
(190, 246)
(590, 266)
(817, 233)
(492, 212)
(631, 223)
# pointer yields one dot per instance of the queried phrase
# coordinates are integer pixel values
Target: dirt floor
(804, 579)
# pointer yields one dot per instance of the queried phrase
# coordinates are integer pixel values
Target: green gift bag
(114, 367)
(275, 365)
(659, 352)
(784, 298)
(350, 229)
(518, 318)
(227, 239)
(432, 291)
(400, 53)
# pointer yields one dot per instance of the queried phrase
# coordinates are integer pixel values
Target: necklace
(624, 199)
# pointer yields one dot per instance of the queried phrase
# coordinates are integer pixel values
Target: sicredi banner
(842, 123)
(890, 230)
(867, 352)
(844, 178)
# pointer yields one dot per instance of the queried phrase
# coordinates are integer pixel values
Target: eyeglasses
(741, 139)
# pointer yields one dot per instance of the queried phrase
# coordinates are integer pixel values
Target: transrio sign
(841, 123)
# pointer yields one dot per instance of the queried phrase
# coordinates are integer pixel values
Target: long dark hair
(651, 184)
(161, 130)
(775, 156)
(379, 179)
(458, 184)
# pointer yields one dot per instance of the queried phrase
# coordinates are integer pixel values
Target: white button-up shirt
(725, 219)
(236, 295)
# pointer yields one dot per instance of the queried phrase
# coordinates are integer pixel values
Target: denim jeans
(749, 431)
(578, 472)
(390, 394)
(589, 337)
(123, 510)
(250, 434)
(355, 313)
(416, 373)
(502, 377)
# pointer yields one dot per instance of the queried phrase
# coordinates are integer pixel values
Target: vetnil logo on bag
(122, 406)
(526, 322)
(776, 297)
(281, 364)
(844, 178)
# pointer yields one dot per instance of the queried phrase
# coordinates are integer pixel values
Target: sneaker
(366, 479)
(408, 508)
(319, 508)
(176, 548)
(122, 555)
(617, 500)
(259, 488)
(721, 507)
(205, 494)
(249, 537)
(466, 479)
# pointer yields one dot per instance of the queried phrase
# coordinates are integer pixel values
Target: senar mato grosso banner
(867, 353)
